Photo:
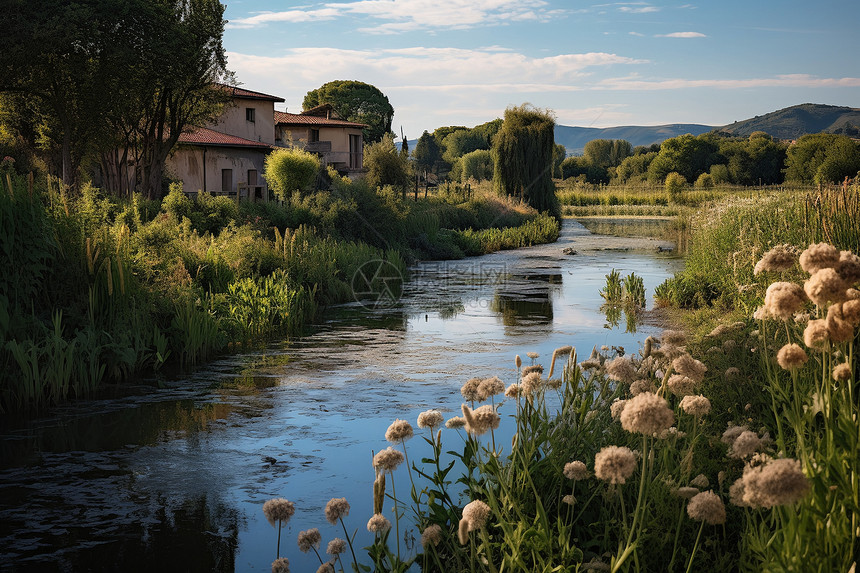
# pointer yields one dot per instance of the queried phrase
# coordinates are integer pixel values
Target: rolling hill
(797, 120)
(575, 138)
(787, 123)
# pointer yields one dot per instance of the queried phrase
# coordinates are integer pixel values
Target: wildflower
(475, 516)
(685, 492)
(680, 385)
(842, 372)
(575, 470)
(729, 345)
(553, 383)
(556, 353)
(278, 511)
(646, 414)
(777, 482)
(688, 366)
(335, 509)
(513, 391)
(429, 419)
(480, 420)
(669, 351)
(378, 524)
(815, 335)
(309, 539)
(791, 357)
(326, 567)
(779, 258)
(387, 460)
(700, 481)
(641, 386)
(848, 267)
(455, 423)
(670, 432)
(674, 338)
(378, 492)
(622, 370)
(614, 464)
(732, 433)
(469, 390)
(745, 445)
(838, 329)
(534, 368)
(708, 507)
(616, 408)
(736, 493)
(568, 499)
(399, 431)
(732, 373)
(431, 536)
(695, 405)
(590, 364)
(532, 355)
(490, 387)
(761, 313)
(281, 565)
(530, 383)
(518, 361)
(336, 546)
(783, 299)
(851, 311)
(595, 565)
(817, 257)
(825, 286)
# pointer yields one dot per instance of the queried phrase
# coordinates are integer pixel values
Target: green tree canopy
(822, 158)
(607, 153)
(385, 166)
(523, 157)
(355, 101)
(687, 155)
(477, 165)
(427, 154)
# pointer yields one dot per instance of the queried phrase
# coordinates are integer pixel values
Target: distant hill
(794, 121)
(575, 138)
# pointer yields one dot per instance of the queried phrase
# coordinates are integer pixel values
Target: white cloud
(786, 81)
(399, 16)
(292, 16)
(636, 34)
(639, 9)
(682, 35)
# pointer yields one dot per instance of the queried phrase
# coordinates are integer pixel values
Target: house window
(252, 177)
(226, 180)
(314, 136)
(249, 114)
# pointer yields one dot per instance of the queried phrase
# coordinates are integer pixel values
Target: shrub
(705, 181)
(291, 169)
(675, 185)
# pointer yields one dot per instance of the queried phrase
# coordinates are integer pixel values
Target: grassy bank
(100, 290)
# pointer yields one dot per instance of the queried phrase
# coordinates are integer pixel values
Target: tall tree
(355, 101)
(523, 156)
(427, 153)
(102, 75)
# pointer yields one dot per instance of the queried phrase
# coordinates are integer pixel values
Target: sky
(463, 62)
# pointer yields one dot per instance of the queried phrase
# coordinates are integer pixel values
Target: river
(173, 478)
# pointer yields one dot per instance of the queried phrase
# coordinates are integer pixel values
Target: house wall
(298, 136)
(186, 164)
(233, 120)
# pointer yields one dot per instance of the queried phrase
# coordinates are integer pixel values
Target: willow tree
(523, 156)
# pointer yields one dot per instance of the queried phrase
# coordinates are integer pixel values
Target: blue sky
(462, 62)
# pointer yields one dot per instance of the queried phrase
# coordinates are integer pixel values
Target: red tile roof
(203, 136)
(248, 94)
(284, 118)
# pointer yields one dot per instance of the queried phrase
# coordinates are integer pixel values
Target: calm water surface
(174, 479)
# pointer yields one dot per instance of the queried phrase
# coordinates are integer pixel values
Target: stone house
(338, 142)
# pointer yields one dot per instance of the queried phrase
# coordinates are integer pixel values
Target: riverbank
(104, 290)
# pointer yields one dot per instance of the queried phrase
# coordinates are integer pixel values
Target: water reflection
(615, 312)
